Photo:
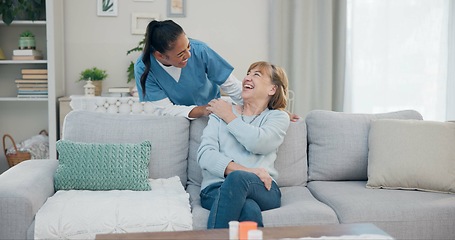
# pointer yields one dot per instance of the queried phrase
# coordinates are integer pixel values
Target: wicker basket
(18, 156)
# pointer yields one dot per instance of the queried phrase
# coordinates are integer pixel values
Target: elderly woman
(239, 148)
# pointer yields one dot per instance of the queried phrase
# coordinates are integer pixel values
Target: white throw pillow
(412, 154)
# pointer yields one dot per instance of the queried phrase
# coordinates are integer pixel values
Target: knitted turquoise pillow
(102, 166)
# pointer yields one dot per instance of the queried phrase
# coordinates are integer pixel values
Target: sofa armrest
(23, 190)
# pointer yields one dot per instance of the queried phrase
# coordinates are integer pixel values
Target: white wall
(236, 29)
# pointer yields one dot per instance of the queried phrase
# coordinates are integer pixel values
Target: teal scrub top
(199, 80)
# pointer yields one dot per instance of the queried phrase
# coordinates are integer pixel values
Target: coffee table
(268, 232)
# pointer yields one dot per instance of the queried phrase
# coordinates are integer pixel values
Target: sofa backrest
(291, 160)
(338, 143)
(168, 136)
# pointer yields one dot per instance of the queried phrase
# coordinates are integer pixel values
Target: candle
(244, 227)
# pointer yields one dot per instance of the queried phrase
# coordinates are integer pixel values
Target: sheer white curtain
(398, 57)
(307, 39)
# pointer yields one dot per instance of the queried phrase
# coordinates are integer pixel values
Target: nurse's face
(180, 53)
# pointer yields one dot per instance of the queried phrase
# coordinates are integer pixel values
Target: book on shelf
(33, 91)
(36, 89)
(27, 57)
(27, 52)
(30, 81)
(31, 85)
(26, 92)
(34, 71)
(31, 96)
(34, 76)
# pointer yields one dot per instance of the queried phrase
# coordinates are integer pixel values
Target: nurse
(181, 75)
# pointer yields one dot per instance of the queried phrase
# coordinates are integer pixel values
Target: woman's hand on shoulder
(294, 117)
(222, 109)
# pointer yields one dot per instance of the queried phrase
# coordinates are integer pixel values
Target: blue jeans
(241, 197)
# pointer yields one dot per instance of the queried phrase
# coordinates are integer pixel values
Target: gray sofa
(323, 167)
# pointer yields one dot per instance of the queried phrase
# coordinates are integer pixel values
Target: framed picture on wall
(176, 8)
(139, 22)
(107, 8)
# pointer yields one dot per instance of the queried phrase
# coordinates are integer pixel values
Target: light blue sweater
(251, 145)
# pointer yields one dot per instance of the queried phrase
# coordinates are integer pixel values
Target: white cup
(233, 230)
(254, 235)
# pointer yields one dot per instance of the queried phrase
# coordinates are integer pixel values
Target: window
(397, 57)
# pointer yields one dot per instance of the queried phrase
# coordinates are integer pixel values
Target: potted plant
(130, 69)
(22, 9)
(27, 40)
(95, 75)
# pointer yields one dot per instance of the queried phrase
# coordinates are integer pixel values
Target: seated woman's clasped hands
(239, 147)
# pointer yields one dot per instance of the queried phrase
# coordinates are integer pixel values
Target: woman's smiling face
(179, 54)
(257, 84)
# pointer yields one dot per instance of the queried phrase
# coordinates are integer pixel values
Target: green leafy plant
(22, 9)
(130, 69)
(27, 33)
(93, 74)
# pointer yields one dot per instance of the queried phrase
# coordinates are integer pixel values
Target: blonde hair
(279, 78)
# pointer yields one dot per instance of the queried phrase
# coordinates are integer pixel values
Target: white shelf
(23, 61)
(21, 22)
(32, 113)
(20, 99)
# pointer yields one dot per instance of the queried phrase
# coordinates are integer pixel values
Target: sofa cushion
(411, 154)
(81, 214)
(291, 162)
(194, 170)
(338, 143)
(298, 207)
(168, 136)
(102, 166)
(402, 214)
